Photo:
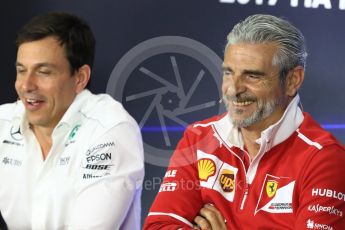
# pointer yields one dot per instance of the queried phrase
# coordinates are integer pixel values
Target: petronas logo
(72, 134)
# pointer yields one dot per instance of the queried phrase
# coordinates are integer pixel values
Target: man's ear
(294, 81)
(82, 77)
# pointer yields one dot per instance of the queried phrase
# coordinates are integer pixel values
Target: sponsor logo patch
(323, 192)
(168, 187)
(171, 173)
(71, 136)
(16, 137)
(90, 176)
(276, 195)
(99, 147)
(311, 224)
(326, 209)
(16, 134)
(227, 180)
(64, 161)
(12, 143)
(206, 168)
(99, 157)
(10, 161)
(217, 175)
(271, 188)
(98, 167)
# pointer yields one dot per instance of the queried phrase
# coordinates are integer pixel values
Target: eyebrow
(38, 65)
(254, 72)
(226, 68)
(249, 72)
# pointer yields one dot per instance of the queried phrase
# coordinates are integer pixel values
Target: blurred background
(162, 59)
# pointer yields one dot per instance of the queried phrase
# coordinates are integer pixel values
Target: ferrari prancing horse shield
(271, 188)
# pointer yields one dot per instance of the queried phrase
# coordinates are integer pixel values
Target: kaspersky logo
(206, 168)
(271, 188)
(227, 180)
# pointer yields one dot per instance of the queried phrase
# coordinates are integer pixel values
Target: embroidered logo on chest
(217, 175)
(71, 136)
(276, 195)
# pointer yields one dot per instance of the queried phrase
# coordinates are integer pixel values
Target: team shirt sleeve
(179, 199)
(110, 180)
(321, 198)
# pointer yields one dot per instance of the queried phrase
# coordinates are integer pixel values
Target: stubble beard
(264, 110)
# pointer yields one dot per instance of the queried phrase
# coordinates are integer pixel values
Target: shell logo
(206, 168)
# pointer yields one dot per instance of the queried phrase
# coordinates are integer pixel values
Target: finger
(214, 209)
(196, 227)
(213, 216)
(202, 223)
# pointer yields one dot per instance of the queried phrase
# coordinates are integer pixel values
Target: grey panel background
(121, 25)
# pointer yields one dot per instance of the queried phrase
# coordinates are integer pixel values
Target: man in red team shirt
(265, 164)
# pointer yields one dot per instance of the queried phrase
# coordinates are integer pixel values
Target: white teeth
(242, 103)
(31, 100)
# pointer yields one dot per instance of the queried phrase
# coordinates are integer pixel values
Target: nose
(26, 82)
(234, 86)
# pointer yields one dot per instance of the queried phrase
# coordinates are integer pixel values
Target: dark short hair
(73, 33)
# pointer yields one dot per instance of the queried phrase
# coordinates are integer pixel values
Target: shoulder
(203, 127)
(105, 110)
(11, 110)
(326, 153)
(208, 121)
(311, 133)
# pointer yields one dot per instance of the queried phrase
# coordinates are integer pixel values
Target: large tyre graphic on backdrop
(166, 83)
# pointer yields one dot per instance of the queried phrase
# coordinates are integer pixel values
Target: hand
(210, 218)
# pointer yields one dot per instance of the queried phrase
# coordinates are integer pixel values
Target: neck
(44, 138)
(249, 139)
(251, 133)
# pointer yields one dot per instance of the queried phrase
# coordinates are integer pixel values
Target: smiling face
(44, 81)
(252, 90)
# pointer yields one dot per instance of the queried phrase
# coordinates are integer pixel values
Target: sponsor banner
(217, 175)
(313, 4)
(276, 195)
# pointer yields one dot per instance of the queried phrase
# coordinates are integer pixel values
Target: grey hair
(261, 28)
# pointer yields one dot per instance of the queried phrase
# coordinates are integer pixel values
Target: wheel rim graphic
(176, 99)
